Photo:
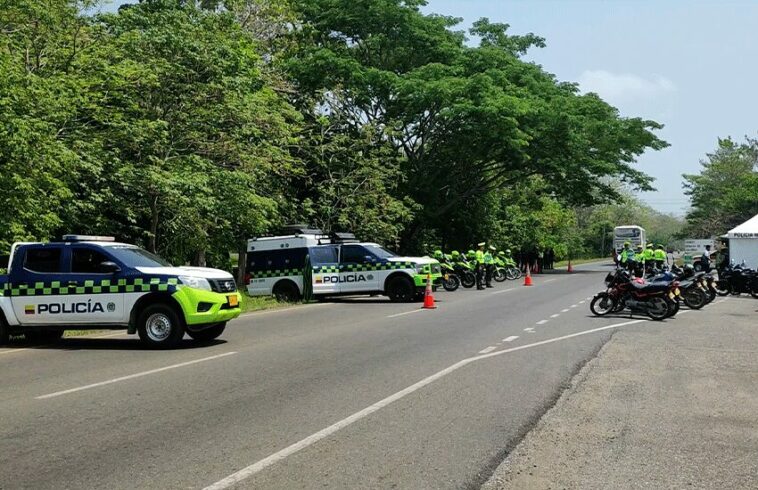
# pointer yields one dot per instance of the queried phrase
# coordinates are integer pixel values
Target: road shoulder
(663, 405)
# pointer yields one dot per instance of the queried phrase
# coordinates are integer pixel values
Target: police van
(333, 265)
(86, 282)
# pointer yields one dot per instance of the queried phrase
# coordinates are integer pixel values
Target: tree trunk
(200, 258)
(152, 242)
(241, 264)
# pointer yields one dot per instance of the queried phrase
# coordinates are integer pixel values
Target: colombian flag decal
(319, 280)
(29, 309)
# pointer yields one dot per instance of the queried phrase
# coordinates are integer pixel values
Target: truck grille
(223, 285)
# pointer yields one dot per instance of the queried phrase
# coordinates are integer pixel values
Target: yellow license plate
(672, 296)
(678, 293)
(233, 300)
(447, 277)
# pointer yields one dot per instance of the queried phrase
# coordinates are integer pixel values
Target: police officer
(649, 254)
(659, 256)
(480, 267)
(489, 265)
(705, 260)
(626, 254)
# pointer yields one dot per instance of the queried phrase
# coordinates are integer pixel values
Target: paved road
(357, 393)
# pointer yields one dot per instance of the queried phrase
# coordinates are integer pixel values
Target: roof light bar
(88, 238)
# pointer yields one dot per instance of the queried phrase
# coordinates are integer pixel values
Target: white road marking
(405, 313)
(564, 310)
(582, 302)
(555, 316)
(132, 376)
(502, 291)
(11, 351)
(529, 329)
(264, 463)
(488, 349)
(541, 322)
(510, 339)
(574, 306)
(549, 280)
(289, 308)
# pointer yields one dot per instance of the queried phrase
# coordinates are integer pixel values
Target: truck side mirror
(109, 267)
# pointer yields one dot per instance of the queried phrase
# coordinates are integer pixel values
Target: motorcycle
(736, 280)
(691, 284)
(450, 279)
(466, 275)
(657, 300)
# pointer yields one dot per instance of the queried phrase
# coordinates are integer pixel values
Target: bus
(631, 233)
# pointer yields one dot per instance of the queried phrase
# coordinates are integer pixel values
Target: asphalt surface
(317, 396)
(660, 407)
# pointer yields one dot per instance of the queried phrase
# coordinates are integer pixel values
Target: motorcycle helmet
(455, 254)
(471, 254)
(508, 251)
(438, 254)
(501, 253)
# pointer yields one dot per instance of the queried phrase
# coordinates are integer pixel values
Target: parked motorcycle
(737, 280)
(657, 300)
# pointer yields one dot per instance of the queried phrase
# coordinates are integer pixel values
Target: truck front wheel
(4, 334)
(159, 326)
(208, 333)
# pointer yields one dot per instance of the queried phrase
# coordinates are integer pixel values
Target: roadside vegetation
(188, 127)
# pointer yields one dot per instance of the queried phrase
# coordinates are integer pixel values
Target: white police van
(87, 282)
(332, 265)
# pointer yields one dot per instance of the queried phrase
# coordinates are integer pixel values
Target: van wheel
(159, 326)
(208, 333)
(401, 290)
(286, 291)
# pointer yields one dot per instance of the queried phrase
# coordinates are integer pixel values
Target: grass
(259, 303)
(564, 263)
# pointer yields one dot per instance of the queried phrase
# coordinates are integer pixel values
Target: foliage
(190, 125)
(725, 193)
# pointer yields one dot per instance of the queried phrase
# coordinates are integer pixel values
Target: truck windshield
(379, 252)
(137, 257)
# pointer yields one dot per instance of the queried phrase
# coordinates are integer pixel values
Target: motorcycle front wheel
(723, 288)
(695, 298)
(602, 304)
(499, 275)
(468, 279)
(451, 283)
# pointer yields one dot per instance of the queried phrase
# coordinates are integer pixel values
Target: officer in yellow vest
(480, 268)
(660, 256)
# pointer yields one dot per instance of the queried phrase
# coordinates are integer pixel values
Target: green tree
(725, 193)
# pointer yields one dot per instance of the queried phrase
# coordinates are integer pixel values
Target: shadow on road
(90, 343)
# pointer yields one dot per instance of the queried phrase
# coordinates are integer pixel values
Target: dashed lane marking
(510, 339)
(529, 329)
(502, 291)
(564, 310)
(574, 306)
(555, 316)
(405, 313)
(264, 463)
(487, 350)
(541, 322)
(132, 376)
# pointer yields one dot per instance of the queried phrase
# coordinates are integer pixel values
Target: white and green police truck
(334, 265)
(86, 282)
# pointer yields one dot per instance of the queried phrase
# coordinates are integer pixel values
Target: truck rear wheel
(208, 333)
(286, 291)
(159, 326)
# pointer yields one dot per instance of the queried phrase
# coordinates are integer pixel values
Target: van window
(323, 255)
(271, 260)
(47, 259)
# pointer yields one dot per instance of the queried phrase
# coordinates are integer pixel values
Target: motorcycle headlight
(195, 282)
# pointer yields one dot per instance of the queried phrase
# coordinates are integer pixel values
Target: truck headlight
(195, 282)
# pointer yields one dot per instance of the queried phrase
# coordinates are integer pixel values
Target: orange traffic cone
(428, 298)
(527, 277)
(570, 269)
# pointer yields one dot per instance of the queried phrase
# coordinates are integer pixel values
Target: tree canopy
(188, 126)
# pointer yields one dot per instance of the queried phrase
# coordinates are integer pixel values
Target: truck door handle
(72, 284)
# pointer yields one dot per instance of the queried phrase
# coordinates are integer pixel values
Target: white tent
(743, 243)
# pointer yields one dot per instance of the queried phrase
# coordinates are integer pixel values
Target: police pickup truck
(86, 282)
(333, 265)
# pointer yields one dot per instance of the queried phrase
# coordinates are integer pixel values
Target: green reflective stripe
(91, 286)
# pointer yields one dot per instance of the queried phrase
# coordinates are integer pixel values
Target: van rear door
(325, 263)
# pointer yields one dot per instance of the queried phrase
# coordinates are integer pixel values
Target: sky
(688, 64)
